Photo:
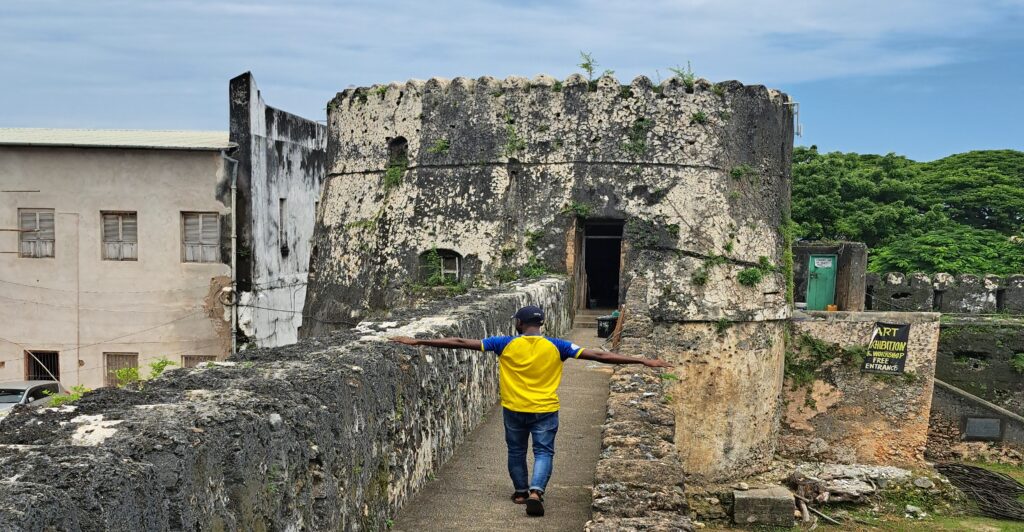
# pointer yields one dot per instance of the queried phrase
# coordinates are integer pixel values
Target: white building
(114, 250)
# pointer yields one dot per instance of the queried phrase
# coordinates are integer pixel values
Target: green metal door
(821, 282)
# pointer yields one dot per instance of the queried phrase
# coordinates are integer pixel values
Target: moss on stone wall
(806, 354)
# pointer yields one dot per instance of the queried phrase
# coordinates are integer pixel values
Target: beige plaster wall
(82, 306)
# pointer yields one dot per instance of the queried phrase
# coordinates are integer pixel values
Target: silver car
(26, 393)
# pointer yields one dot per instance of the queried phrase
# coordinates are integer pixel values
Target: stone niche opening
(440, 266)
(398, 151)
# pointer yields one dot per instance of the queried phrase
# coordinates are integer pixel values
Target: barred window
(200, 236)
(37, 234)
(440, 266)
(120, 236)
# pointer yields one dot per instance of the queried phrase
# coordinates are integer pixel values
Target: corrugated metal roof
(116, 138)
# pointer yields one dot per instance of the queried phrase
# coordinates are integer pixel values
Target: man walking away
(530, 370)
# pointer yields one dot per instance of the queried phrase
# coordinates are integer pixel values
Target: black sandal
(535, 507)
(519, 497)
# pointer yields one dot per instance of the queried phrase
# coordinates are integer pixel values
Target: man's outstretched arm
(445, 343)
(608, 357)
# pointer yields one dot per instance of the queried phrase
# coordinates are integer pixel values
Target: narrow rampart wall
(942, 292)
(984, 356)
(334, 433)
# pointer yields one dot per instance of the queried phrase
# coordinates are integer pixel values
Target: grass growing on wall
(806, 354)
(393, 175)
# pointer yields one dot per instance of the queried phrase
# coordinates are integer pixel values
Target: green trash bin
(605, 326)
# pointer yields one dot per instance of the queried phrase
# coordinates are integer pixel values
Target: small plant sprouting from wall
(557, 87)
(513, 142)
(534, 267)
(380, 91)
(719, 90)
(440, 146)
(1017, 362)
(636, 142)
(722, 325)
(396, 169)
(789, 230)
(686, 75)
(589, 66)
(806, 354)
(750, 276)
(753, 276)
(580, 210)
(699, 277)
(700, 117)
(741, 171)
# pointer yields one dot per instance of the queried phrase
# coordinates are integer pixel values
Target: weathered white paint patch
(93, 430)
(286, 164)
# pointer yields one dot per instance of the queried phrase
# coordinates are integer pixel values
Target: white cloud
(124, 53)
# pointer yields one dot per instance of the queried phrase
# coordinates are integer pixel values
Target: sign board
(887, 352)
(983, 429)
(822, 262)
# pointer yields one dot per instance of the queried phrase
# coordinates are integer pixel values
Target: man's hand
(654, 363)
(405, 340)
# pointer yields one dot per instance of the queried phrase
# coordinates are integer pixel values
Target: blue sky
(924, 78)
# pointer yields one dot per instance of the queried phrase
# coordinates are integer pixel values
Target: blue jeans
(518, 428)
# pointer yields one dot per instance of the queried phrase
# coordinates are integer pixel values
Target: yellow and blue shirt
(530, 368)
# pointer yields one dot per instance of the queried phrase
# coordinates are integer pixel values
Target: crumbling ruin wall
(984, 357)
(281, 169)
(639, 479)
(942, 292)
(503, 173)
(333, 433)
(953, 410)
(836, 413)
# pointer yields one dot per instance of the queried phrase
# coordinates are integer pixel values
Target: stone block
(969, 294)
(1013, 294)
(662, 473)
(769, 506)
(903, 293)
(656, 522)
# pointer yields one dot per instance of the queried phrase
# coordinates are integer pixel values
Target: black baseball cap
(530, 314)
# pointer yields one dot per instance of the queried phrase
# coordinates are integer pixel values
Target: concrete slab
(769, 506)
(472, 490)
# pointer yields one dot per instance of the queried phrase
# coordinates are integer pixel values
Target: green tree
(959, 214)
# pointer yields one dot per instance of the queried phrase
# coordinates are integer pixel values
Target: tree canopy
(960, 214)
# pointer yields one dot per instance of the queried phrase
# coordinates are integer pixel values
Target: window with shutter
(116, 361)
(191, 361)
(37, 233)
(200, 236)
(120, 236)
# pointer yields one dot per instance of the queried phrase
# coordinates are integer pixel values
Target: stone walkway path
(472, 490)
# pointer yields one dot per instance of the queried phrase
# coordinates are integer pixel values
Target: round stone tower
(495, 180)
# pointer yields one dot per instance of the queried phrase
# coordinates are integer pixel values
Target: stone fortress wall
(942, 292)
(506, 173)
(332, 433)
